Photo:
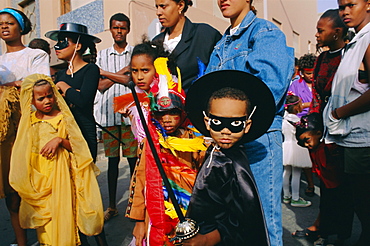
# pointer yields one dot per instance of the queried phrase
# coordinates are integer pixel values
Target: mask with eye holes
(62, 44)
(234, 124)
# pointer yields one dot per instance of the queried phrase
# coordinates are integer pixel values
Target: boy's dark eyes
(116, 27)
(216, 122)
(236, 123)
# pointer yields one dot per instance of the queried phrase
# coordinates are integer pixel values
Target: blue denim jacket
(257, 47)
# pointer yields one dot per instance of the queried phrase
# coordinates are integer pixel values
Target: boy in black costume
(232, 107)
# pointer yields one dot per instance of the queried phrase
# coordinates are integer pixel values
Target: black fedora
(257, 91)
(72, 28)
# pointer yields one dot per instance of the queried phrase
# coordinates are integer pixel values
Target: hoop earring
(335, 37)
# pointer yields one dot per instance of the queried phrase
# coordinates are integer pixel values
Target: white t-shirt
(18, 65)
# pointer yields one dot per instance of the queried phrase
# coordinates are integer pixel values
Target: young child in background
(179, 150)
(52, 169)
(225, 202)
(336, 213)
(294, 156)
(302, 87)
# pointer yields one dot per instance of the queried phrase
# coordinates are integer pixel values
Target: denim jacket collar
(246, 22)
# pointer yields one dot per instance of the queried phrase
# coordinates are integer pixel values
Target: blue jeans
(266, 162)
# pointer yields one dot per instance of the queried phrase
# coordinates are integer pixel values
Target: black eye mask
(62, 44)
(234, 124)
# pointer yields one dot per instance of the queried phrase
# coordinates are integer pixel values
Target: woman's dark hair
(310, 123)
(307, 61)
(85, 41)
(254, 10)
(333, 14)
(188, 3)
(119, 17)
(27, 23)
(290, 102)
(154, 49)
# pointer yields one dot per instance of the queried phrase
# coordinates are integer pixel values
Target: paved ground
(118, 230)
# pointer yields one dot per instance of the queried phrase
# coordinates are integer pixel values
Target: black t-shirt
(80, 99)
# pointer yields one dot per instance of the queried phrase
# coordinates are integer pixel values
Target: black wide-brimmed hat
(72, 28)
(257, 91)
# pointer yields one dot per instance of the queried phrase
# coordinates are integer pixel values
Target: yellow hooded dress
(59, 196)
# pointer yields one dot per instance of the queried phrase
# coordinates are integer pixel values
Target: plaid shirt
(112, 61)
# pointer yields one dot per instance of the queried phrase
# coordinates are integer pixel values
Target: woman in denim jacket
(258, 47)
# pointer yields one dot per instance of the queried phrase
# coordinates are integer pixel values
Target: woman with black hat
(79, 83)
(16, 63)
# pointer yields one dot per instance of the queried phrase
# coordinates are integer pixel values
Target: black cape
(225, 198)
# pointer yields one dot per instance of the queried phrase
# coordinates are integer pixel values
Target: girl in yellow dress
(52, 168)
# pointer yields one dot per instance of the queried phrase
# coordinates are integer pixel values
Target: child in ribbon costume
(180, 152)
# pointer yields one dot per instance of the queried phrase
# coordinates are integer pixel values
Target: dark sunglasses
(62, 44)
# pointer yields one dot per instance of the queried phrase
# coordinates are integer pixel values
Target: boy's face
(170, 120)
(43, 99)
(310, 140)
(226, 123)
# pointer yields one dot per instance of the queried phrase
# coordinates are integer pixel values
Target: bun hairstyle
(333, 14)
(309, 123)
(154, 49)
(291, 102)
(254, 10)
(188, 3)
(27, 23)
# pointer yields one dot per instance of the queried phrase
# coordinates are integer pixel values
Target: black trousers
(336, 210)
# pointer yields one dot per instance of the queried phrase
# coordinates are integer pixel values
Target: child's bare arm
(51, 147)
(208, 239)
(139, 232)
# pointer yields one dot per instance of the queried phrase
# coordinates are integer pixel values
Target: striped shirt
(112, 61)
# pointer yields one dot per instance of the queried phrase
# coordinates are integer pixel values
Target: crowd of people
(215, 131)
